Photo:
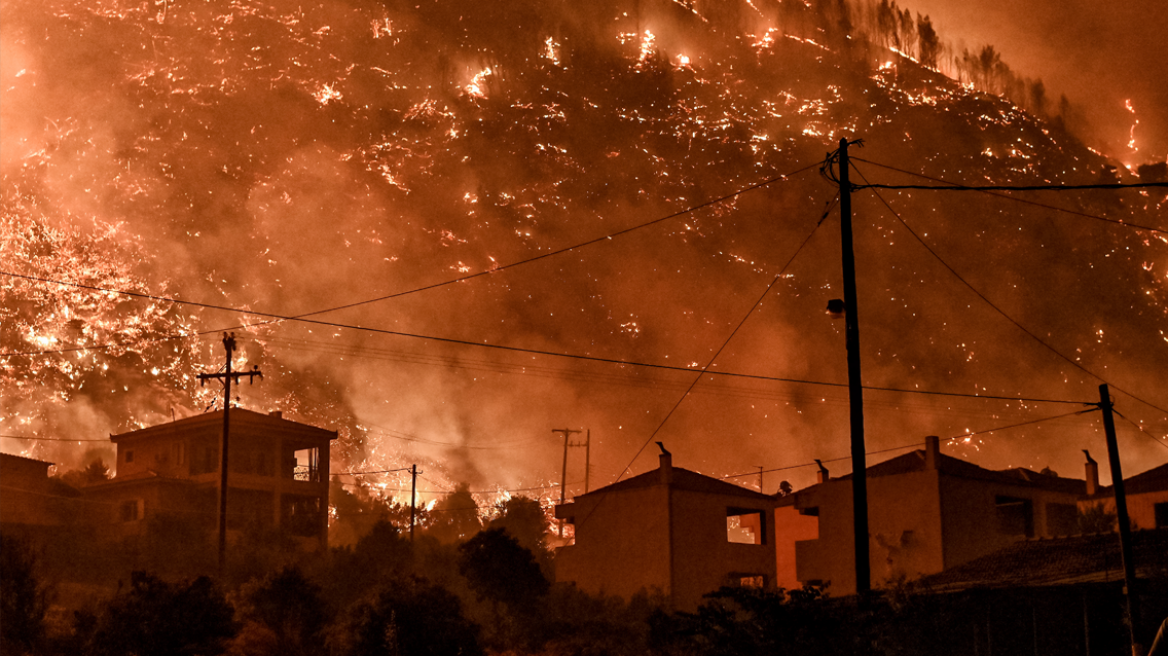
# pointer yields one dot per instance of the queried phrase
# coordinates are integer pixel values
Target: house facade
(671, 531)
(927, 513)
(277, 476)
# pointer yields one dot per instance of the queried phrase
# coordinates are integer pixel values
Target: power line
(586, 358)
(961, 187)
(990, 303)
(916, 445)
(721, 348)
(1157, 440)
(1012, 198)
(304, 317)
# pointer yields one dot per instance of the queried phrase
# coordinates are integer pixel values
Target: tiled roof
(243, 416)
(684, 479)
(1057, 561)
(1153, 480)
(915, 461)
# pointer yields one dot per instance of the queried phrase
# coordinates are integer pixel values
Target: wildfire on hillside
(288, 158)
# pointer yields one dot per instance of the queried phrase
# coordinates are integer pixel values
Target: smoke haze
(289, 158)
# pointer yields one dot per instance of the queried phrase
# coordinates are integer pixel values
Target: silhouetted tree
(158, 618)
(523, 519)
(928, 43)
(411, 617)
(501, 570)
(24, 598)
(1096, 518)
(381, 555)
(290, 607)
(455, 516)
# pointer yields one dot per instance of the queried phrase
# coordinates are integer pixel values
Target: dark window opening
(129, 456)
(206, 461)
(303, 464)
(1015, 516)
(301, 516)
(1161, 510)
(751, 581)
(745, 526)
(130, 510)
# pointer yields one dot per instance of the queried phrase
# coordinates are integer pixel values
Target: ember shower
(292, 157)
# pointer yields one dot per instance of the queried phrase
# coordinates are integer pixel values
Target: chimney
(932, 451)
(1092, 474)
(278, 414)
(666, 467)
(824, 475)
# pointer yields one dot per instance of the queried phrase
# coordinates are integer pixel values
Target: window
(751, 581)
(130, 510)
(1161, 510)
(301, 516)
(180, 453)
(745, 526)
(1015, 516)
(307, 465)
(129, 456)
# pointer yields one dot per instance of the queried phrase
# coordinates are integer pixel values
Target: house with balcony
(670, 531)
(277, 476)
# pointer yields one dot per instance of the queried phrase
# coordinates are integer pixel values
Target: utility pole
(564, 471)
(413, 499)
(227, 377)
(587, 457)
(760, 479)
(1121, 516)
(855, 388)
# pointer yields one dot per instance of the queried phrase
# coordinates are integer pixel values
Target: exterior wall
(703, 557)
(622, 543)
(972, 523)
(791, 527)
(1141, 508)
(26, 498)
(904, 521)
(267, 486)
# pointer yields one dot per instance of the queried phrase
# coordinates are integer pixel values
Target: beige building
(278, 475)
(31, 503)
(927, 513)
(672, 531)
(1147, 496)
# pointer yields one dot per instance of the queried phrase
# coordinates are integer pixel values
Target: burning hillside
(289, 158)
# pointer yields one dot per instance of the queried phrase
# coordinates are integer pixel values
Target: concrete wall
(1141, 508)
(904, 522)
(703, 557)
(622, 543)
(791, 527)
(972, 523)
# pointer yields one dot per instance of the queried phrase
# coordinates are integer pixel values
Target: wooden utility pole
(855, 387)
(413, 499)
(587, 457)
(564, 470)
(1121, 516)
(227, 377)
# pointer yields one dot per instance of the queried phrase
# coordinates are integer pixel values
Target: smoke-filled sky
(1100, 54)
(289, 158)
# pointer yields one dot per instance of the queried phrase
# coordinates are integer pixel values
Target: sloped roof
(915, 461)
(1057, 561)
(1153, 480)
(242, 416)
(5, 456)
(682, 479)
